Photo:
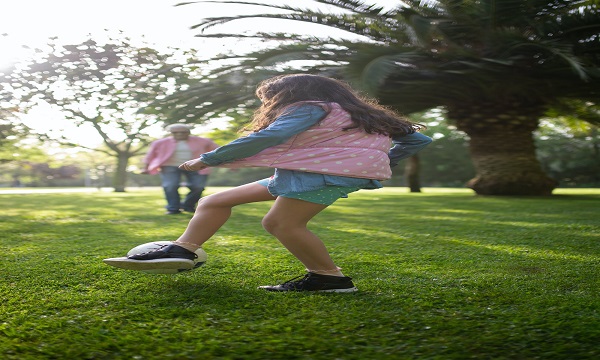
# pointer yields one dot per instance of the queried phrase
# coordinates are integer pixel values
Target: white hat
(179, 127)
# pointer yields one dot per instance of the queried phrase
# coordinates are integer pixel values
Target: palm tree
(495, 66)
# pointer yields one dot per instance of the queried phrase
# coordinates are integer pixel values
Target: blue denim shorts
(324, 196)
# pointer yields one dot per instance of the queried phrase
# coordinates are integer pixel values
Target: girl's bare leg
(287, 221)
(214, 210)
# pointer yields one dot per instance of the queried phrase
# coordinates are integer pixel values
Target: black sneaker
(164, 252)
(315, 282)
(167, 257)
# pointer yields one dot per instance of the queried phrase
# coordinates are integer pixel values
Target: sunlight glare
(28, 25)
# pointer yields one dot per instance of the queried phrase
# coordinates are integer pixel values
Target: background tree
(11, 134)
(495, 66)
(107, 86)
(568, 147)
(446, 161)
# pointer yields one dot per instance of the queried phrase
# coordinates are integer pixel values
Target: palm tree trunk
(503, 152)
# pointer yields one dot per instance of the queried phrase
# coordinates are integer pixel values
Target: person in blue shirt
(295, 110)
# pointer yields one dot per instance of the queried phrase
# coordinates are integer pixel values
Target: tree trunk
(503, 151)
(120, 176)
(411, 172)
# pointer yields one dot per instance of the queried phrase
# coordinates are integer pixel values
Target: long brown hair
(279, 92)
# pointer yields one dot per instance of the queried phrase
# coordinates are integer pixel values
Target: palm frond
(351, 24)
(424, 54)
(275, 6)
(356, 6)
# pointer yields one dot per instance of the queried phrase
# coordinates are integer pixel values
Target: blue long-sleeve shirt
(292, 123)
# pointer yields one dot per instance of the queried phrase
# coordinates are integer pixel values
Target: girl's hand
(193, 165)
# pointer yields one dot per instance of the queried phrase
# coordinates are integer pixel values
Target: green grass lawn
(442, 274)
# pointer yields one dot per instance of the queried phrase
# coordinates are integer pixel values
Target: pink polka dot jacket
(326, 148)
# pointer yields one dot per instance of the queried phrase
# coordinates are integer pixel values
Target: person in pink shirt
(164, 157)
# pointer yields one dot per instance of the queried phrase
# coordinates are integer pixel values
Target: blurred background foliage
(490, 86)
(569, 152)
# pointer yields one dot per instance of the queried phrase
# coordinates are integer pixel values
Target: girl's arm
(283, 128)
(406, 146)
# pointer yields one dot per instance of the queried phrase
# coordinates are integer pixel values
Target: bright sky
(33, 22)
